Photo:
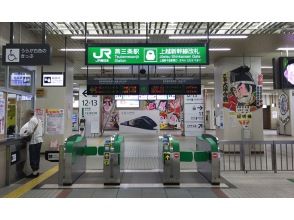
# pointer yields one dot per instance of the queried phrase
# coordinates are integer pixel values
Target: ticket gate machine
(113, 163)
(169, 159)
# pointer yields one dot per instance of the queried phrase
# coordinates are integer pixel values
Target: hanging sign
(156, 54)
(152, 87)
(26, 54)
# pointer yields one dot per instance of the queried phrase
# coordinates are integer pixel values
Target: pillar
(240, 99)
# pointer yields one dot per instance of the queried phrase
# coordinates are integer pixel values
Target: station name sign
(150, 87)
(26, 54)
(147, 54)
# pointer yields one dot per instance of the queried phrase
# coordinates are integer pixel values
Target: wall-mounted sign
(127, 104)
(40, 92)
(193, 114)
(20, 79)
(53, 79)
(26, 54)
(152, 87)
(156, 54)
(54, 121)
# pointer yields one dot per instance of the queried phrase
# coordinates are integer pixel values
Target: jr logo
(103, 52)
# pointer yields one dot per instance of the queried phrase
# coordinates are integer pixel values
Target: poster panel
(54, 121)
(139, 121)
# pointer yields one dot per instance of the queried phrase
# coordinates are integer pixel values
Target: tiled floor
(259, 184)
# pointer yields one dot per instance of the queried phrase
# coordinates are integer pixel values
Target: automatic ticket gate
(169, 159)
(113, 154)
(207, 156)
(72, 158)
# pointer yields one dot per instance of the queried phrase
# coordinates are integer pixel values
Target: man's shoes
(33, 175)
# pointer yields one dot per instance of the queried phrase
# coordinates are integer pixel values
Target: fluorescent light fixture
(107, 67)
(285, 48)
(73, 49)
(266, 67)
(180, 67)
(219, 49)
(108, 37)
(210, 83)
(209, 88)
(203, 37)
(268, 82)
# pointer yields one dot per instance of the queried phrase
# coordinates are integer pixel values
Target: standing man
(34, 129)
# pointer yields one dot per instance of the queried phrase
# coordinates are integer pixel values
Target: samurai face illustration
(243, 86)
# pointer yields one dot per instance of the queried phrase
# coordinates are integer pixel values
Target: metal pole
(274, 157)
(11, 33)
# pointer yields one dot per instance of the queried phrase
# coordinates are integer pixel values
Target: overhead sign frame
(52, 74)
(152, 47)
(26, 54)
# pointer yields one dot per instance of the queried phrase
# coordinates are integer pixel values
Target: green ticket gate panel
(72, 159)
(169, 159)
(113, 152)
(207, 156)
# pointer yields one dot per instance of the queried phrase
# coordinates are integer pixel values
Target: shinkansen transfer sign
(147, 54)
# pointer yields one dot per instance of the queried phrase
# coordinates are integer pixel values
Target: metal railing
(257, 155)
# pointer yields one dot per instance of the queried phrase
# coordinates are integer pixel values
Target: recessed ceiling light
(210, 37)
(108, 37)
(210, 83)
(219, 49)
(73, 49)
(266, 67)
(285, 48)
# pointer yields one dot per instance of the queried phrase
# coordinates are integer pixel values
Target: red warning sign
(176, 155)
(215, 155)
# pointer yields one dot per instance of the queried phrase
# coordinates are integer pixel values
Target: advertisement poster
(193, 115)
(242, 93)
(54, 121)
(2, 115)
(89, 109)
(40, 114)
(109, 114)
(170, 112)
(139, 121)
(284, 116)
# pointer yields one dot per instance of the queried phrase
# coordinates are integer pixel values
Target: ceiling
(263, 40)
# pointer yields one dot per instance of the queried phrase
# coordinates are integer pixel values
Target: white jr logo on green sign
(103, 52)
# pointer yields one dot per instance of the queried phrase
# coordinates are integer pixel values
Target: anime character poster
(241, 93)
(110, 115)
(169, 111)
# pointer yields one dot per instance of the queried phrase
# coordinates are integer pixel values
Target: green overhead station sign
(147, 54)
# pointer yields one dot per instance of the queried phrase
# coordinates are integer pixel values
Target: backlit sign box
(147, 54)
(20, 79)
(26, 54)
(53, 79)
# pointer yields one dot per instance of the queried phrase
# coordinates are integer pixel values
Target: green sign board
(147, 54)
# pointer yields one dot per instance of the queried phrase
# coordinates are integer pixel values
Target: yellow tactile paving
(31, 184)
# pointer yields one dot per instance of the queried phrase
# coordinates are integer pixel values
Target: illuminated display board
(147, 54)
(136, 87)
